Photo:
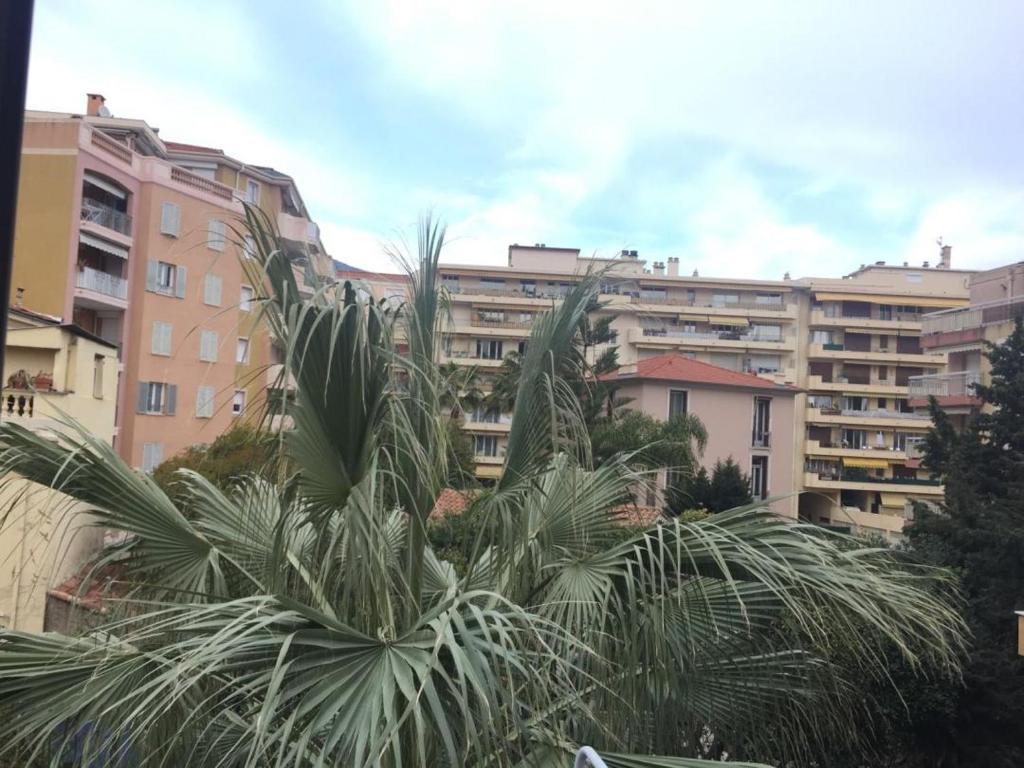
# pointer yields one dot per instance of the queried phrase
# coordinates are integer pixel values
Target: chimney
(93, 103)
(659, 268)
(946, 257)
(695, 273)
(926, 265)
(786, 276)
(879, 263)
(633, 255)
(673, 266)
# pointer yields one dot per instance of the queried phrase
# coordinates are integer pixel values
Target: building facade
(52, 370)
(137, 241)
(851, 345)
(750, 418)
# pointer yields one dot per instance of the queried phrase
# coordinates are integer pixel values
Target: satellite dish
(104, 112)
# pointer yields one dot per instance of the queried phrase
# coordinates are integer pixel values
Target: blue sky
(748, 139)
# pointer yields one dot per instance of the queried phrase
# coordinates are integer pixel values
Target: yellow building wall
(43, 231)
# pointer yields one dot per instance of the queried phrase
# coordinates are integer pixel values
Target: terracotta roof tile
(450, 502)
(675, 367)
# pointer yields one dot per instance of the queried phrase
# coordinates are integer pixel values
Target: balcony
(101, 215)
(514, 296)
(462, 357)
(897, 321)
(726, 339)
(867, 418)
(973, 317)
(815, 448)
(907, 485)
(856, 385)
(110, 289)
(889, 355)
(950, 389)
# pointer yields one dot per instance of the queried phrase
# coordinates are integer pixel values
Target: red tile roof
(102, 582)
(450, 502)
(675, 367)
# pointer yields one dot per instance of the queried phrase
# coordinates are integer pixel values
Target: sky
(749, 139)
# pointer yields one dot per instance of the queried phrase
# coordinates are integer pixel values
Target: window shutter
(147, 457)
(179, 282)
(166, 340)
(212, 285)
(204, 402)
(208, 342)
(172, 399)
(152, 271)
(143, 396)
(170, 219)
(215, 237)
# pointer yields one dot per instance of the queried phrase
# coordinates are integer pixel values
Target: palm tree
(307, 622)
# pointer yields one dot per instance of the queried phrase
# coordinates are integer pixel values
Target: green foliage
(308, 620)
(980, 534)
(726, 488)
(462, 463)
(240, 451)
(651, 443)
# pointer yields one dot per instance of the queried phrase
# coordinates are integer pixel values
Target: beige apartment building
(134, 239)
(52, 370)
(996, 301)
(851, 345)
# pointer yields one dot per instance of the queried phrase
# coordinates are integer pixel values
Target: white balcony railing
(103, 282)
(105, 216)
(974, 316)
(944, 384)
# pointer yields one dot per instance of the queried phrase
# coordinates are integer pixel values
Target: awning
(893, 500)
(693, 318)
(103, 245)
(905, 301)
(865, 463)
(737, 321)
(105, 185)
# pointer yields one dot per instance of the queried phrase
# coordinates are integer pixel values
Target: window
(883, 404)
(766, 332)
(170, 219)
(653, 292)
(691, 296)
(883, 342)
(762, 422)
(489, 349)
(204, 402)
(249, 247)
(854, 403)
(97, 377)
(242, 350)
(821, 337)
(492, 282)
(724, 299)
(883, 373)
(252, 192)
(216, 235)
(161, 338)
(485, 445)
(212, 286)
(885, 311)
(759, 477)
(238, 402)
(854, 438)
(768, 298)
(677, 402)
(483, 415)
(165, 278)
(529, 287)
(451, 282)
(208, 343)
(245, 299)
(156, 397)
(152, 456)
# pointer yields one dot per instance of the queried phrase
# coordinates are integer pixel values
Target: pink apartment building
(132, 238)
(749, 418)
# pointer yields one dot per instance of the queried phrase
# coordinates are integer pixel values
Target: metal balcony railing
(105, 216)
(102, 282)
(640, 298)
(944, 384)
